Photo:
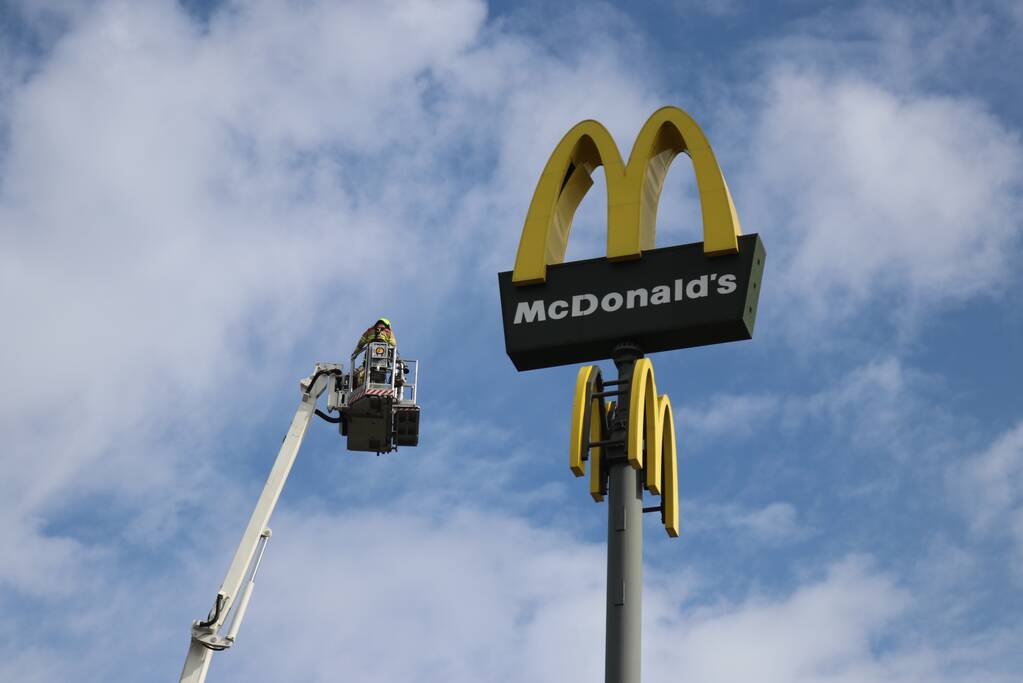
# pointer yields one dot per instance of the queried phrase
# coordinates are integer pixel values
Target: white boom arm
(205, 634)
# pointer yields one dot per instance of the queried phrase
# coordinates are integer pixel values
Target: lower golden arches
(650, 443)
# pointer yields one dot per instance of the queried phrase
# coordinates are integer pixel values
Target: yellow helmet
(385, 321)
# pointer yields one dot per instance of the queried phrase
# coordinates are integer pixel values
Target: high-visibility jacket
(375, 333)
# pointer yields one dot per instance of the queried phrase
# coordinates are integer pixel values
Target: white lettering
(578, 299)
(585, 304)
(634, 295)
(726, 284)
(529, 312)
(697, 289)
(661, 295)
(557, 310)
(611, 302)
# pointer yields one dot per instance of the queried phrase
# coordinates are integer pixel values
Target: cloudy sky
(198, 200)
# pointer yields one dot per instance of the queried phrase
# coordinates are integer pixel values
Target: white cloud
(822, 632)
(878, 403)
(989, 489)
(881, 407)
(907, 196)
(878, 393)
(714, 8)
(776, 523)
(727, 415)
(488, 597)
(886, 178)
(466, 595)
(402, 597)
(182, 207)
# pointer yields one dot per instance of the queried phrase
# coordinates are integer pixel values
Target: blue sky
(200, 200)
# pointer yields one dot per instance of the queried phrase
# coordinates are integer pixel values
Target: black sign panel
(671, 298)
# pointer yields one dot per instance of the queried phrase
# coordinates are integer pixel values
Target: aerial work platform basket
(377, 400)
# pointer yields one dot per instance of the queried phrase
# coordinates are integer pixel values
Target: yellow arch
(652, 423)
(587, 419)
(669, 477)
(643, 414)
(661, 450)
(579, 406)
(633, 192)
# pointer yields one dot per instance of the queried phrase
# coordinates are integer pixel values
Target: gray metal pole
(624, 542)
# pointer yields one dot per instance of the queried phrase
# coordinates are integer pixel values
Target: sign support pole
(624, 539)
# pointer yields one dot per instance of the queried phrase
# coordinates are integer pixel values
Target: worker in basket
(380, 331)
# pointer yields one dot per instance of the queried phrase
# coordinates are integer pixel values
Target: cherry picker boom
(377, 412)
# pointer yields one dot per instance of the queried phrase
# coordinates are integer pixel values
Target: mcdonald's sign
(558, 313)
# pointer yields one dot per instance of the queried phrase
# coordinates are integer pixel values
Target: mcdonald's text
(587, 304)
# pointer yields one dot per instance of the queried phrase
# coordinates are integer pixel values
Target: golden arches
(643, 403)
(669, 476)
(650, 441)
(584, 406)
(580, 412)
(633, 192)
(652, 434)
